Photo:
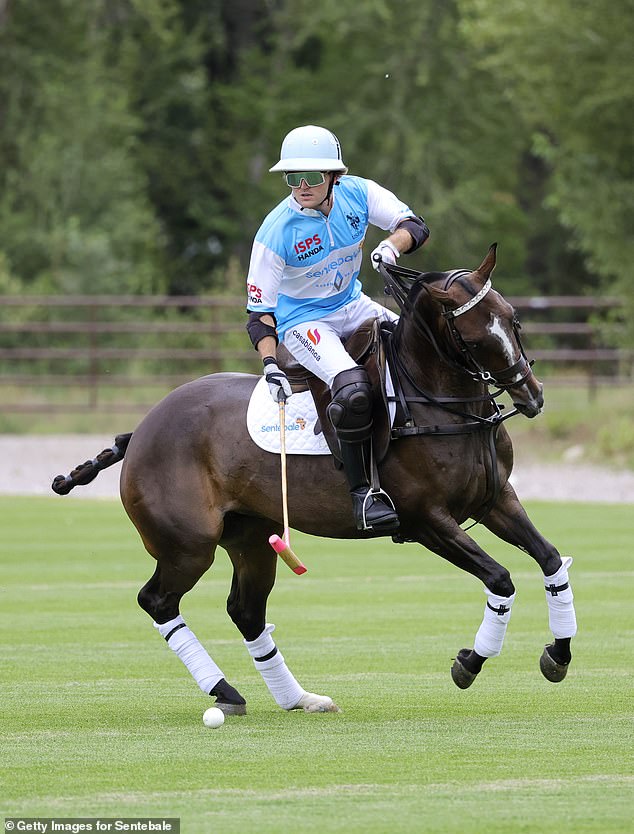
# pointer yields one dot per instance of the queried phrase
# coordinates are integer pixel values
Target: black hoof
(550, 669)
(460, 675)
(228, 699)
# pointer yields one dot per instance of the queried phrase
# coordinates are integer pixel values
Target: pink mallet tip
(277, 543)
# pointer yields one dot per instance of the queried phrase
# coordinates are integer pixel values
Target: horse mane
(423, 280)
(405, 285)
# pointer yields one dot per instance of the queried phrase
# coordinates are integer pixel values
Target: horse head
(480, 332)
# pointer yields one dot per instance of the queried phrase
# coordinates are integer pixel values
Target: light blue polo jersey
(305, 264)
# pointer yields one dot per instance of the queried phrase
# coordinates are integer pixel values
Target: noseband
(507, 377)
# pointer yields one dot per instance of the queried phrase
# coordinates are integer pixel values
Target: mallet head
(284, 551)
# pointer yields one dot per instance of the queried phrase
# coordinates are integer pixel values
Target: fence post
(94, 361)
(215, 365)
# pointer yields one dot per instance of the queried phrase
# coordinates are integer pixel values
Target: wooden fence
(115, 352)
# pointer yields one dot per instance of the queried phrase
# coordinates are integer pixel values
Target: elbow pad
(418, 229)
(257, 330)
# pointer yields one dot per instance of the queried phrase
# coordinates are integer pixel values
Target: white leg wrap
(186, 645)
(561, 609)
(269, 662)
(490, 636)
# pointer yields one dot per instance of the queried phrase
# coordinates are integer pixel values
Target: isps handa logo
(314, 336)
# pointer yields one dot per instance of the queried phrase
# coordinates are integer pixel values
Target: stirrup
(378, 529)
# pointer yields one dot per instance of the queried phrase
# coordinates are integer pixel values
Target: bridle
(396, 284)
(509, 377)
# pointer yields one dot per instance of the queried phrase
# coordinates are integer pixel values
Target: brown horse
(192, 479)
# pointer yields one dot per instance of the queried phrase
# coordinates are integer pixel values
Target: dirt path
(29, 465)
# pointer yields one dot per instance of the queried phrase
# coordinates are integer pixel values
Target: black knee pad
(350, 411)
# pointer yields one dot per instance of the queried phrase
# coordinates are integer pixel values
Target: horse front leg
(446, 538)
(254, 565)
(509, 521)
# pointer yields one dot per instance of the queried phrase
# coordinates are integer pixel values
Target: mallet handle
(282, 408)
(283, 546)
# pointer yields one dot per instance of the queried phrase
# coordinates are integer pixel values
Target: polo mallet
(283, 546)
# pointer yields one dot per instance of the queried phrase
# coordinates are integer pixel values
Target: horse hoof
(460, 675)
(228, 699)
(310, 702)
(550, 669)
(231, 709)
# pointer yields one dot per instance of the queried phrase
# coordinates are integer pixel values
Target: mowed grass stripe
(102, 719)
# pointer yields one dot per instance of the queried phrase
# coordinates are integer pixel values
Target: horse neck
(422, 344)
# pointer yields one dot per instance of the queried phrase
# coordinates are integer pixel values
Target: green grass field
(100, 718)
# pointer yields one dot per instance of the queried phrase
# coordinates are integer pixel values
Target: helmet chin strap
(330, 187)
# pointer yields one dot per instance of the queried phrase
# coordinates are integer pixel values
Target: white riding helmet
(310, 148)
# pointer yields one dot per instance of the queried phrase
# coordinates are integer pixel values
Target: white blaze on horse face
(496, 329)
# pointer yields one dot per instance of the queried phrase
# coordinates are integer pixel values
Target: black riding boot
(351, 414)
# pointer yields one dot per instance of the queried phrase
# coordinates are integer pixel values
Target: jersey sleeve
(385, 210)
(263, 279)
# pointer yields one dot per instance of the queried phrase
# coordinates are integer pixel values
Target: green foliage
(401, 112)
(568, 70)
(74, 215)
(137, 136)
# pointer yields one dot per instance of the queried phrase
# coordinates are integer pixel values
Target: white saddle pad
(263, 422)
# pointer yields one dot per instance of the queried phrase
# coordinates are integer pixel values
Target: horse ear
(487, 266)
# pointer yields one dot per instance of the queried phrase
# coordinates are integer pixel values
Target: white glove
(278, 383)
(386, 252)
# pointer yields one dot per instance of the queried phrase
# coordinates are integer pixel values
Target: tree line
(136, 135)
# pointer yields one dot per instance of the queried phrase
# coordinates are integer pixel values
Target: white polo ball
(213, 718)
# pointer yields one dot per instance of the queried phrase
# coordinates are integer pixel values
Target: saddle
(366, 348)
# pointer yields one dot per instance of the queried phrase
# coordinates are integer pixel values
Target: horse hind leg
(254, 564)
(160, 597)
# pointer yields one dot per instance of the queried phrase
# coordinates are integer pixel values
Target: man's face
(312, 196)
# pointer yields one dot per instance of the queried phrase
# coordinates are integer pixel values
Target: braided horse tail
(86, 472)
